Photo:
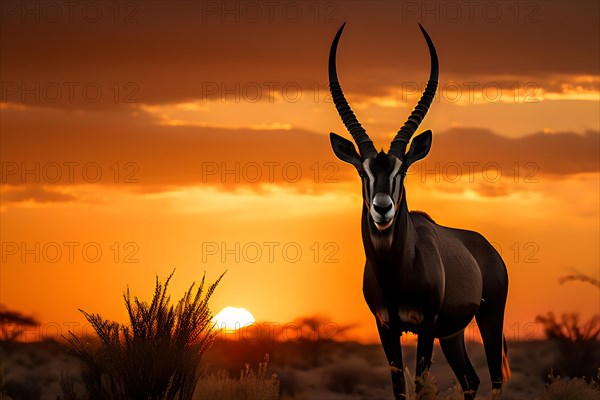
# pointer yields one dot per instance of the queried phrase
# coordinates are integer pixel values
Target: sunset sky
(142, 137)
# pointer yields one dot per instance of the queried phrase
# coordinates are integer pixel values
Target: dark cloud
(45, 148)
(162, 52)
(36, 194)
(525, 157)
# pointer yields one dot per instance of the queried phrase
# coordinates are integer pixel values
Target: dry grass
(2, 394)
(41, 363)
(429, 388)
(155, 357)
(353, 376)
(251, 385)
(557, 389)
(571, 389)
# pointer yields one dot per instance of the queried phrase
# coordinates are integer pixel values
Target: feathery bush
(155, 357)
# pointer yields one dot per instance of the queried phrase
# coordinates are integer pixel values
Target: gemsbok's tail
(505, 367)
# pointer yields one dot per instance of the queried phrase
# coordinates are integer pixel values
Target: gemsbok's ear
(419, 148)
(345, 150)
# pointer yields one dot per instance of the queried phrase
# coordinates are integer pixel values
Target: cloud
(154, 54)
(525, 157)
(134, 153)
(35, 194)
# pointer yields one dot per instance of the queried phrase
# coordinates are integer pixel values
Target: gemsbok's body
(419, 276)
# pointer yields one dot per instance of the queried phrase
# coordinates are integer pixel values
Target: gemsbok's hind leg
(490, 324)
(456, 355)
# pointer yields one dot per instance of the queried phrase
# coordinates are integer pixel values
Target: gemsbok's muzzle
(382, 211)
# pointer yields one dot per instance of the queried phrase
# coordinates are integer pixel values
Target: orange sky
(191, 136)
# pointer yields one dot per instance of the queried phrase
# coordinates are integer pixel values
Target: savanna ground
(169, 351)
(342, 370)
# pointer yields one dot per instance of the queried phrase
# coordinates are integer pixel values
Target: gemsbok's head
(382, 173)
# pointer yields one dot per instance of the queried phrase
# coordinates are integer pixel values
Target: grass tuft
(571, 389)
(427, 387)
(251, 385)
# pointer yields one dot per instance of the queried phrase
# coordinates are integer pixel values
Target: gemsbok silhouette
(419, 276)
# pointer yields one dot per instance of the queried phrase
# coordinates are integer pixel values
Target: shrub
(577, 342)
(155, 357)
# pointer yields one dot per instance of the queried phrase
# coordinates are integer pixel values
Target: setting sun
(233, 318)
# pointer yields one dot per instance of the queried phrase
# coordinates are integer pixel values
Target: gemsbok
(419, 276)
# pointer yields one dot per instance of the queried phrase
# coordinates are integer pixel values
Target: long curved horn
(398, 146)
(365, 144)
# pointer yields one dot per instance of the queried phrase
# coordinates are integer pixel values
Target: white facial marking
(395, 183)
(367, 168)
(394, 173)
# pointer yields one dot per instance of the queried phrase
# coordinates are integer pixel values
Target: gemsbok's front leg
(425, 341)
(390, 340)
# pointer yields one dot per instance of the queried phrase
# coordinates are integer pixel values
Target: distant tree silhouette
(316, 331)
(581, 278)
(578, 342)
(12, 324)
